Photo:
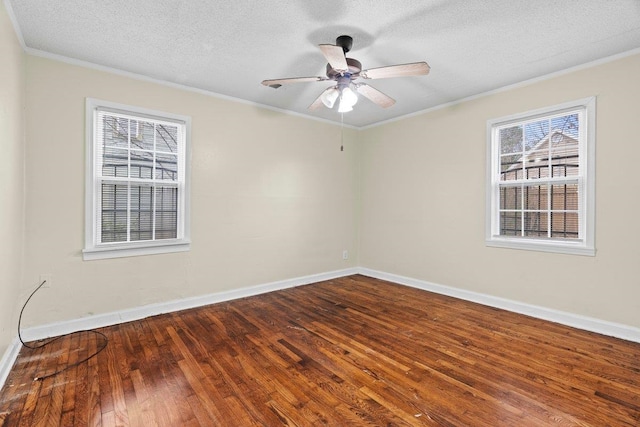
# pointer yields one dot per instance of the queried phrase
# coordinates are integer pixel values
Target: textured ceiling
(229, 47)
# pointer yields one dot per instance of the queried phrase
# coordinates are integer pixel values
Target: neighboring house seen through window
(137, 192)
(541, 179)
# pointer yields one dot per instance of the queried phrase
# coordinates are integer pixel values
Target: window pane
(510, 167)
(167, 167)
(510, 198)
(537, 164)
(141, 198)
(166, 212)
(536, 224)
(510, 223)
(121, 127)
(535, 197)
(564, 225)
(565, 159)
(565, 197)
(511, 140)
(535, 134)
(141, 213)
(167, 138)
(114, 213)
(141, 164)
(567, 125)
(115, 131)
(114, 162)
(145, 140)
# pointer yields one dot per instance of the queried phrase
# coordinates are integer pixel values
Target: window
(540, 180)
(137, 181)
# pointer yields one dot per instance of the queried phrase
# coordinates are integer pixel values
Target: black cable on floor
(35, 347)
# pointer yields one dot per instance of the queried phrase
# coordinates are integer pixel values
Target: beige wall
(272, 197)
(423, 200)
(11, 177)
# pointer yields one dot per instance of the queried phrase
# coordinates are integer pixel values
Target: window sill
(121, 251)
(569, 248)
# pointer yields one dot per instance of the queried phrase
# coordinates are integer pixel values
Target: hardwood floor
(346, 352)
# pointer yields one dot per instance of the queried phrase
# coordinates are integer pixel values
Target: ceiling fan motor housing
(354, 69)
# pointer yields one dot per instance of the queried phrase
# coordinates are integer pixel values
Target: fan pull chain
(341, 131)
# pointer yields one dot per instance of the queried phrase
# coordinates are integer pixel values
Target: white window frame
(585, 243)
(94, 249)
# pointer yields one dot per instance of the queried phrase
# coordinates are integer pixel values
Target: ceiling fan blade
(276, 83)
(413, 69)
(335, 56)
(375, 96)
(317, 103)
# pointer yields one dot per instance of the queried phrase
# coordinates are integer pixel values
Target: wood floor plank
(120, 410)
(198, 381)
(352, 351)
(91, 414)
(161, 375)
(73, 378)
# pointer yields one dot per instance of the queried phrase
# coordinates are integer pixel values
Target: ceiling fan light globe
(348, 97)
(344, 107)
(329, 97)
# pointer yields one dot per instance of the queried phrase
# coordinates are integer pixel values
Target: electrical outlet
(48, 278)
(345, 254)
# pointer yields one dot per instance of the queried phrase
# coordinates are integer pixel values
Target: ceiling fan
(345, 71)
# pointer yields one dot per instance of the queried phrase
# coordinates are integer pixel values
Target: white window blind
(138, 185)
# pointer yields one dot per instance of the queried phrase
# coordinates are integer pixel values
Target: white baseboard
(8, 359)
(137, 313)
(591, 324)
